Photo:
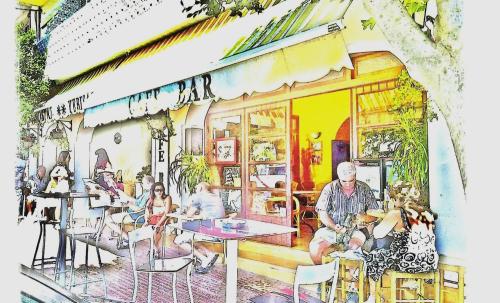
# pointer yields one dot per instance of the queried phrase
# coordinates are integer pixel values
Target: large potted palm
(187, 170)
(410, 157)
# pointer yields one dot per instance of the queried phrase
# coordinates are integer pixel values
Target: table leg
(231, 271)
(61, 251)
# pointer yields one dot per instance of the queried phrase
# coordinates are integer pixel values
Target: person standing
(340, 204)
(19, 182)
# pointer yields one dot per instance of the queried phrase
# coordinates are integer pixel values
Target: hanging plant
(35, 149)
(61, 142)
(157, 124)
(187, 170)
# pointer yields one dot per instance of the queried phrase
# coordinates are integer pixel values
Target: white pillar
(446, 193)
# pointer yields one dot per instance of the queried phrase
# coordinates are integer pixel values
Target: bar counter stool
(409, 287)
(41, 262)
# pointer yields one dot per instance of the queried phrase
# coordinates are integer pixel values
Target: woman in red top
(158, 204)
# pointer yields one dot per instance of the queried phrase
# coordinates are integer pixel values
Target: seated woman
(58, 184)
(412, 248)
(158, 204)
(106, 180)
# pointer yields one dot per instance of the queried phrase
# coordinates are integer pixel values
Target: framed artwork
(225, 151)
(231, 176)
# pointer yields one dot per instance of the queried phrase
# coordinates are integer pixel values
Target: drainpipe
(168, 155)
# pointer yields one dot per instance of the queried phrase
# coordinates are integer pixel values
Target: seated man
(134, 206)
(209, 205)
(37, 184)
(340, 204)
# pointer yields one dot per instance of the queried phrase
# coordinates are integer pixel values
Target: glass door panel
(225, 131)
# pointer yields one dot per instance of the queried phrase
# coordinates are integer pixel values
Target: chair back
(314, 274)
(134, 236)
(297, 205)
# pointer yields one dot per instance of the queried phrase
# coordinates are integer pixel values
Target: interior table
(250, 229)
(61, 250)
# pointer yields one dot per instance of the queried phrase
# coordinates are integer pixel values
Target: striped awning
(174, 71)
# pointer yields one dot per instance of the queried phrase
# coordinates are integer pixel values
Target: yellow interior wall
(323, 113)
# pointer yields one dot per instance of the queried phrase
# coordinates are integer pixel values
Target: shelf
(260, 136)
(377, 125)
(266, 162)
(226, 187)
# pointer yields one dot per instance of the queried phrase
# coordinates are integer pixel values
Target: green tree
(31, 84)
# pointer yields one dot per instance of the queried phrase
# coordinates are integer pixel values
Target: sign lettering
(192, 91)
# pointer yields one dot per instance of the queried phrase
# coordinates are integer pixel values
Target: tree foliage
(31, 84)
(213, 8)
(411, 158)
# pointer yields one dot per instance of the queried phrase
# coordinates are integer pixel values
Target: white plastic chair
(314, 274)
(157, 266)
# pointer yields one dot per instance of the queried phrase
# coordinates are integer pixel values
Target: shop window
(376, 120)
(224, 157)
(267, 161)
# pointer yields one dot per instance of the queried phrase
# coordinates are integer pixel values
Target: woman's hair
(152, 194)
(63, 158)
(419, 213)
(102, 159)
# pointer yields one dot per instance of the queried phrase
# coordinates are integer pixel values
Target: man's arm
(321, 209)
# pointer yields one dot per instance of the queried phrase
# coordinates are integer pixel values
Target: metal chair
(296, 214)
(314, 274)
(85, 233)
(157, 266)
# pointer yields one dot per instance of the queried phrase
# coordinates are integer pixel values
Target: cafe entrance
(265, 158)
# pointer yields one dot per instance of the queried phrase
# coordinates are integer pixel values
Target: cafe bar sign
(173, 96)
(62, 109)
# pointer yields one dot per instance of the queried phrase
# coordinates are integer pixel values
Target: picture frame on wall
(231, 176)
(225, 151)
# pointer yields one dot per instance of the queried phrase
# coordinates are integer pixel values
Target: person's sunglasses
(158, 190)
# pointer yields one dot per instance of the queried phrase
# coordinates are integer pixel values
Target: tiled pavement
(207, 288)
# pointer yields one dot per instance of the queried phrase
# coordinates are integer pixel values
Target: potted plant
(145, 170)
(187, 170)
(410, 157)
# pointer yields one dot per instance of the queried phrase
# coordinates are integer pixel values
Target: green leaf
(368, 23)
(413, 6)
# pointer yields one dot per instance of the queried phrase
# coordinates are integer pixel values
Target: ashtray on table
(233, 223)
